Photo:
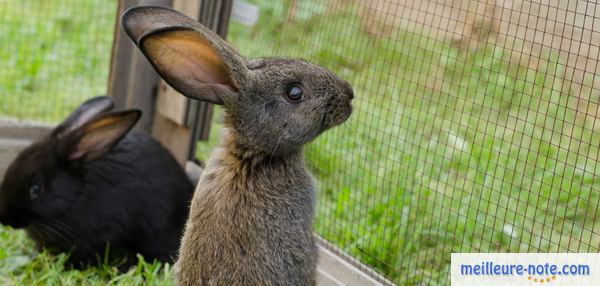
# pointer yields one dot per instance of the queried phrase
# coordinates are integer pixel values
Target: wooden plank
(193, 114)
(223, 27)
(11, 128)
(16, 135)
(204, 110)
(170, 103)
(215, 15)
(325, 279)
(119, 65)
(132, 80)
(336, 268)
(172, 136)
(9, 149)
(134, 83)
(187, 7)
(170, 119)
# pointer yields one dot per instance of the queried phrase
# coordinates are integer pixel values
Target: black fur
(135, 198)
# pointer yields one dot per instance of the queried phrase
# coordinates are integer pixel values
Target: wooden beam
(215, 15)
(192, 114)
(170, 127)
(174, 137)
(133, 83)
(16, 135)
(168, 116)
(132, 80)
(170, 103)
(338, 268)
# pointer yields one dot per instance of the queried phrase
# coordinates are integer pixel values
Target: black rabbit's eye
(35, 190)
(295, 93)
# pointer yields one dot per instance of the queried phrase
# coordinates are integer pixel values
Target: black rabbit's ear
(187, 55)
(83, 114)
(98, 136)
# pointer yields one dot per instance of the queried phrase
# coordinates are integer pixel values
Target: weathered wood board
(16, 135)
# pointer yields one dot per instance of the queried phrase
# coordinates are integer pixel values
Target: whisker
(64, 229)
(52, 230)
(275, 148)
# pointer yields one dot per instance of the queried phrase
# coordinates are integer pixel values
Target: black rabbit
(91, 184)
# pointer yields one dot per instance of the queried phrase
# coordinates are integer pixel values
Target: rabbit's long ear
(83, 114)
(188, 56)
(97, 137)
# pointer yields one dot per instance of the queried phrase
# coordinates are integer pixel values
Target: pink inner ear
(186, 59)
(99, 136)
(94, 145)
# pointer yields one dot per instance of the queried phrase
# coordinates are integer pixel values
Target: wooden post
(175, 121)
(132, 80)
(189, 117)
(170, 126)
(133, 83)
(215, 15)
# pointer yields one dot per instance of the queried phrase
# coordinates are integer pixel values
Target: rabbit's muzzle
(347, 89)
(339, 108)
(14, 221)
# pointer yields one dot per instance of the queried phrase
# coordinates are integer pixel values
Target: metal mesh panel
(475, 125)
(53, 55)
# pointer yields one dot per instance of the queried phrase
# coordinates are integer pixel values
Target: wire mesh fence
(475, 125)
(53, 55)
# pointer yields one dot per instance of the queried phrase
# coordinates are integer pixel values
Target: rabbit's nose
(347, 89)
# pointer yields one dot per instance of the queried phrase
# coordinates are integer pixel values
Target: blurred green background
(447, 150)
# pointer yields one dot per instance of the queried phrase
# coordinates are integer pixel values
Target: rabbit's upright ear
(97, 137)
(83, 114)
(188, 56)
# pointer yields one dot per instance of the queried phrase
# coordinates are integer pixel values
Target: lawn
(21, 265)
(446, 151)
(54, 55)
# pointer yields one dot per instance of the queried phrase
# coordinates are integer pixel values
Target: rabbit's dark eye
(34, 190)
(295, 92)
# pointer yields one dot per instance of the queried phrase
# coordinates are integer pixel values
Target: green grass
(446, 151)
(54, 54)
(21, 265)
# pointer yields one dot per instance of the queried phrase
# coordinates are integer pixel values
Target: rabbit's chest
(250, 225)
(252, 237)
(267, 219)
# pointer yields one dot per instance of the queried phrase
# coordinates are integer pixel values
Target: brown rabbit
(251, 215)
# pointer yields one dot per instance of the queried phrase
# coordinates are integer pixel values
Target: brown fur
(251, 216)
(251, 220)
